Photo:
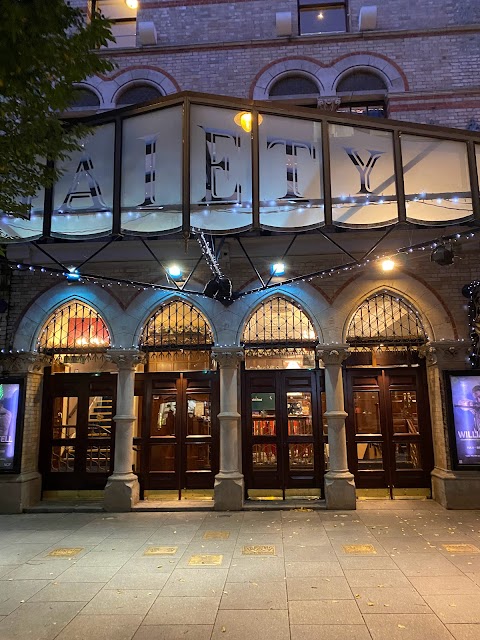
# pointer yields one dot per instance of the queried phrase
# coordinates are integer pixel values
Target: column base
(122, 491)
(19, 491)
(456, 489)
(228, 492)
(340, 490)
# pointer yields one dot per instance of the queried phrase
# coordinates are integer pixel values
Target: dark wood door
(177, 435)
(282, 444)
(77, 433)
(389, 435)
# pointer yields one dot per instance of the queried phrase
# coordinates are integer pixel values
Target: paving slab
(173, 632)
(183, 610)
(250, 595)
(239, 625)
(121, 601)
(318, 612)
(464, 631)
(37, 621)
(439, 586)
(406, 627)
(330, 632)
(455, 608)
(105, 627)
(318, 588)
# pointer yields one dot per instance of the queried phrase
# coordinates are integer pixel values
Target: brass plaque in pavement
(259, 550)
(205, 561)
(302, 509)
(160, 551)
(461, 548)
(66, 552)
(216, 535)
(359, 548)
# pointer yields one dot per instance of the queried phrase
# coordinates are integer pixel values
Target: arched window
(84, 99)
(177, 337)
(295, 88)
(279, 335)
(74, 327)
(363, 93)
(385, 323)
(138, 94)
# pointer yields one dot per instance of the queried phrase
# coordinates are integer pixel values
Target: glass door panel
(404, 412)
(366, 411)
(198, 414)
(100, 423)
(299, 412)
(370, 456)
(264, 456)
(301, 456)
(162, 418)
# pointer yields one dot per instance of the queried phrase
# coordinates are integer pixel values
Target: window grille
(84, 99)
(279, 321)
(176, 325)
(384, 319)
(138, 94)
(361, 81)
(74, 327)
(294, 86)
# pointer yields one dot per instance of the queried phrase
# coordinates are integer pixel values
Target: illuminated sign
(463, 396)
(11, 404)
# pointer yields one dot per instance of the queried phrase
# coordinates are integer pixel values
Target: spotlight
(388, 265)
(174, 271)
(277, 269)
(442, 255)
(132, 4)
(219, 288)
(73, 275)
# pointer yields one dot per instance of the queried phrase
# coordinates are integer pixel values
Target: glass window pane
(65, 417)
(63, 459)
(323, 397)
(220, 169)
(138, 411)
(366, 408)
(263, 414)
(299, 411)
(152, 172)
(162, 457)
(322, 20)
(407, 455)
(291, 192)
(100, 416)
(301, 456)
(264, 456)
(326, 456)
(83, 195)
(164, 408)
(279, 358)
(98, 459)
(199, 457)
(369, 456)
(198, 414)
(437, 182)
(404, 411)
(363, 176)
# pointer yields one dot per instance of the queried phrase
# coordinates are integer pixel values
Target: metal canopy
(225, 166)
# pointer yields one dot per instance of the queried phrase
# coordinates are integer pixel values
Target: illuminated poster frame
(463, 407)
(12, 404)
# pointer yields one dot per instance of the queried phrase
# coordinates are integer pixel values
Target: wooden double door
(177, 436)
(77, 434)
(389, 436)
(282, 430)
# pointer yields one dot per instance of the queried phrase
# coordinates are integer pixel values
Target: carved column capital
(445, 353)
(24, 362)
(328, 103)
(227, 357)
(331, 354)
(126, 358)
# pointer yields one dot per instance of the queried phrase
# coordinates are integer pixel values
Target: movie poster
(9, 404)
(465, 405)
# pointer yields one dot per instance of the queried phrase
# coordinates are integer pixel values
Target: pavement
(391, 570)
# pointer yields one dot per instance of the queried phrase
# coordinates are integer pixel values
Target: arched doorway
(389, 435)
(282, 403)
(176, 440)
(79, 398)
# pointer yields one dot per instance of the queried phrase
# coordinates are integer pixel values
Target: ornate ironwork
(74, 327)
(279, 322)
(385, 320)
(176, 326)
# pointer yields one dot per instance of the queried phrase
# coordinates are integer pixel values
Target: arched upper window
(138, 94)
(290, 86)
(370, 92)
(74, 327)
(84, 99)
(177, 337)
(385, 320)
(279, 335)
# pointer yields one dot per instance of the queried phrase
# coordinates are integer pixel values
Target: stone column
(452, 489)
(122, 488)
(18, 491)
(229, 485)
(339, 482)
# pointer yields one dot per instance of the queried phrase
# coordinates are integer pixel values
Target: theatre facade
(237, 300)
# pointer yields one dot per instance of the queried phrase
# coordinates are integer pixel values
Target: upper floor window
(363, 93)
(123, 14)
(84, 100)
(321, 17)
(137, 94)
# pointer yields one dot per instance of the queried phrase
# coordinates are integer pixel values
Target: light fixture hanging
(388, 265)
(132, 4)
(244, 120)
